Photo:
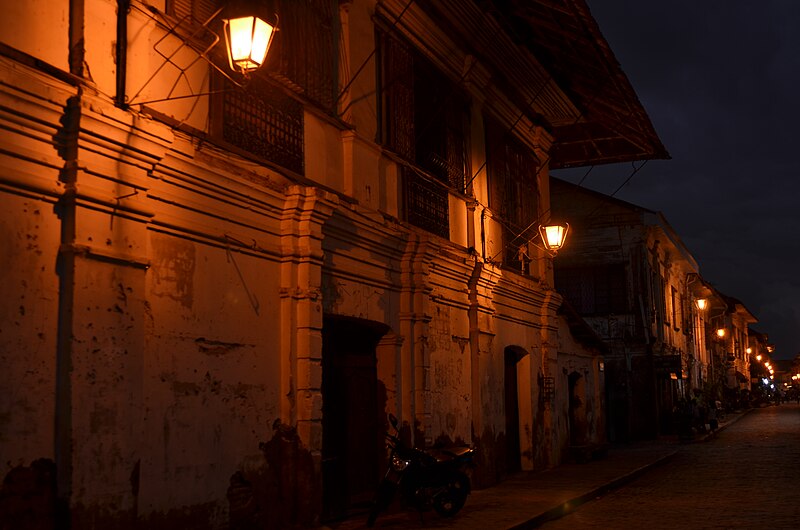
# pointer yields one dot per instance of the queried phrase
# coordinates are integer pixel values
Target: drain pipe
(483, 233)
(67, 142)
(123, 8)
(65, 267)
(77, 44)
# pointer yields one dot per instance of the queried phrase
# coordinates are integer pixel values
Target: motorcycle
(425, 479)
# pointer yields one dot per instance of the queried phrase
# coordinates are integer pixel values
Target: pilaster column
(415, 316)
(305, 212)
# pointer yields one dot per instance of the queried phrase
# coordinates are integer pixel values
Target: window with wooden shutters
(594, 290)
(305, 50)
(513, 192)
(424, 119)
(440, 119)
(398, 97)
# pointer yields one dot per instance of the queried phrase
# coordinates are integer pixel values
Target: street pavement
(746, 478)
(529, 499)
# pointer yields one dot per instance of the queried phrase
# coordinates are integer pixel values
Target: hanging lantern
(554, 236)
(248, 40)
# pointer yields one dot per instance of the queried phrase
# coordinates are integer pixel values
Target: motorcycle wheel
(448, 502)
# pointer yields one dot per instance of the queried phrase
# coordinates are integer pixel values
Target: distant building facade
(724, 328)
(629, 275)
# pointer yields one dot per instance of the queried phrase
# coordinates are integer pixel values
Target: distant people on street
(713, 423)
(683, 418)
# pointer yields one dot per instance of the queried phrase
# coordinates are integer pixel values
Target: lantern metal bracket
(196, 37)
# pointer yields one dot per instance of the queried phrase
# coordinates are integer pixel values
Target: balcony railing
(426, 203)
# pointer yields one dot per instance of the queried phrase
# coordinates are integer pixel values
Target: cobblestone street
(746, 477)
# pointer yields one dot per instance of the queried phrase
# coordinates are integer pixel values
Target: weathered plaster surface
(28, 241)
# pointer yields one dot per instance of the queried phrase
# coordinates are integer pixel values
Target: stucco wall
(38, 28)
(28, 327)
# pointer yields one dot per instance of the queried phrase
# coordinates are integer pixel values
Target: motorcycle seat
(450, 453)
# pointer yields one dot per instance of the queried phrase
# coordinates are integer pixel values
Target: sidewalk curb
(568, 506)
(712, 435)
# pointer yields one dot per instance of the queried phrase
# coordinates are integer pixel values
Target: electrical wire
(617, 190)
(585, 175)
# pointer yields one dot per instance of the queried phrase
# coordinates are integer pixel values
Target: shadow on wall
(28, 497)
(281, 491)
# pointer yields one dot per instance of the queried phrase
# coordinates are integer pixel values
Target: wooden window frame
(434, 151)
(512, 170)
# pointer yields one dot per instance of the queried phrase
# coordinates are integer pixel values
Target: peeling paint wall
(28, 324)
(106, 383)
(582, 363)
(212, 322)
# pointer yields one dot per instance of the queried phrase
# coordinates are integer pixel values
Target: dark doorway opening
(578, 427)
(352, 413)
(511, 358)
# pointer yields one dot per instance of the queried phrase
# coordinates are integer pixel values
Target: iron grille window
(513, 192)
(426, 203)
(594, 290)
(266, 122)
(424, 118)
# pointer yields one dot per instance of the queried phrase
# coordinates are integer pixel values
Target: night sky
(720, 80)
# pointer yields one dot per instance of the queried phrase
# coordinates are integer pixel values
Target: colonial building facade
(672, 336)
(629, 275)
(217, 286)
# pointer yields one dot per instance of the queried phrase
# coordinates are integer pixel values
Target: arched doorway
(512, 356)
(351, 413)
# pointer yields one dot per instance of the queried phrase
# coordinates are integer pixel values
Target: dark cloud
(719, 79)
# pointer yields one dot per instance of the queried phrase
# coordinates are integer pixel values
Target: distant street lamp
(702, 303)
(721, 332)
